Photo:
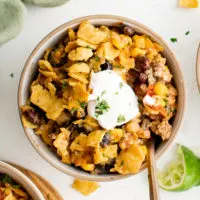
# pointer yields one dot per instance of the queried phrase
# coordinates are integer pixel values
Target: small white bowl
(23, 180)
(50, 40)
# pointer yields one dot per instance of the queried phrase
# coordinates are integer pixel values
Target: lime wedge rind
(181, 174)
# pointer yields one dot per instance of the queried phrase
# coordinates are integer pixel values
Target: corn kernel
(137, 52)
(160, 89)
(139, 41)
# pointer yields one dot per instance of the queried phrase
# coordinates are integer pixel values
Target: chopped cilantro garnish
(88, 47)
(64, 84)
(121, 85)
(101, 107)
(121, 118)
(103, 92)
(96, 58)
(173, 39)
(122, 163)
(16, 186)
(118, 66)
(12, 75)
(83, 104)
(6, 179)
(187, 33)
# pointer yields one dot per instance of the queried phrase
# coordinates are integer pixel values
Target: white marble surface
(162, 16)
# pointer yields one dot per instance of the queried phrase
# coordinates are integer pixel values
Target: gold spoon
(153, 184)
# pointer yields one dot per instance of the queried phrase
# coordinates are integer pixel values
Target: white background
(166, 19)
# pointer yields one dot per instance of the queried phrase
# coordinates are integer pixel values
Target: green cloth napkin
(13, 13)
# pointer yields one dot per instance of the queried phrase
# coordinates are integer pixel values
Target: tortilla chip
(189, 3)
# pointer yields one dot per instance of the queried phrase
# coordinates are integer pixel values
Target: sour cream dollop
(112, 101)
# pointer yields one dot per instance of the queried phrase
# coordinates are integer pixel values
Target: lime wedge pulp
(182, 174)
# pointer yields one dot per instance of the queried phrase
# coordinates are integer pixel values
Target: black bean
(106, 66)
(59, 93)
(103, 169)
(128, 30)
(143, 77)
(33, 116)
(106, 140)
(142, 63)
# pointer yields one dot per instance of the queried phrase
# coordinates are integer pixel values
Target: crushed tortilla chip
(50, 104)
(189, 3)
(91, 34)
(85, 187)
(130, 160)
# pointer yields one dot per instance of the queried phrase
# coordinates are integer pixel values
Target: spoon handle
(153, 184)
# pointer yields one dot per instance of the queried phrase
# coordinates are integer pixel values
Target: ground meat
(171, 95)
(140, 90)
(127, 140)
(150, 76)
(160, 69)
(144, 131)
(163, 129)
(145, 134)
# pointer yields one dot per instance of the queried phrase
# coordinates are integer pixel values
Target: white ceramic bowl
(23, 180)
(51, 39)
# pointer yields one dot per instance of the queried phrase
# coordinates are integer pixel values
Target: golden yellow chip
(85, 187)
(189, 3)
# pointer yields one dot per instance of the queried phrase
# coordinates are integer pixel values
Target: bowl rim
(88, 176)
(198, 67)
(13, 172)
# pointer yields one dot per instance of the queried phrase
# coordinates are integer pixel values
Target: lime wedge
(182, 174)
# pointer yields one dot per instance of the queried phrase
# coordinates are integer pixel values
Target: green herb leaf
(88, 47)
(174, 40)
(121, 118)
(103, 92)
(96, 58)
(101, 107)
(121, 85)
(187, 33)
(118, 66)
(83, 104)
(12, 75)
(64, 84)
(6, 179)
(16, 186)
(122, 163)
(116, 93)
